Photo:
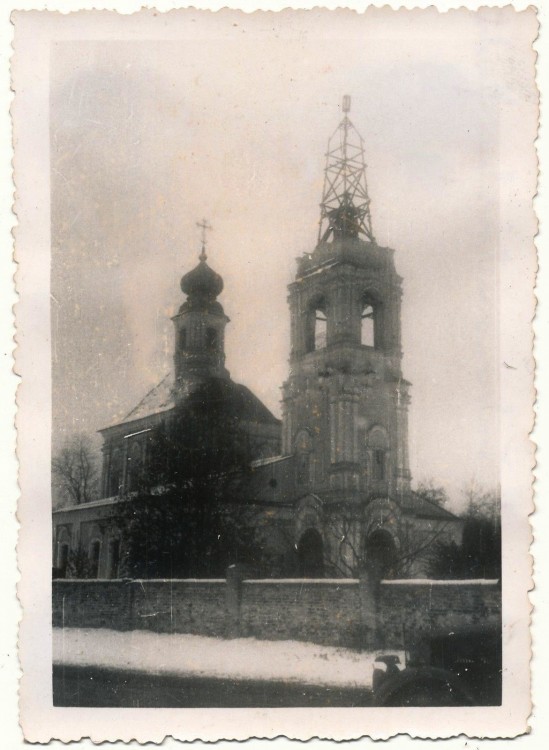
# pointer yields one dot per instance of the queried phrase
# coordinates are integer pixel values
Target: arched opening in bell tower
(321, 329)
(367, 325)
(316, 325)
(310, 555)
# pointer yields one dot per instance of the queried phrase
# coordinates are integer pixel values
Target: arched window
(378, 446)
(310, 555)
(379, 464)
(135, 466)
(95, 552)
(367, 326)
(211, 338)
(115, 473)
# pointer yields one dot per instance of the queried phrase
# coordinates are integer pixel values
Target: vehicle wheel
(422, 687)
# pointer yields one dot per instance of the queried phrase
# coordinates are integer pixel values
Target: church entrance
(310, 555)
(381, 556)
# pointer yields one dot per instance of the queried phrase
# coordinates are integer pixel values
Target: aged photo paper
(275, 283)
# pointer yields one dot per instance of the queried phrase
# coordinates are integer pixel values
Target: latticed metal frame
(345, 180)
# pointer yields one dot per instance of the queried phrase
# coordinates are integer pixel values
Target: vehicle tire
(422, 687)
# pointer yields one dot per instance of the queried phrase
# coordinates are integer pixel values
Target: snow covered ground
(193, 655)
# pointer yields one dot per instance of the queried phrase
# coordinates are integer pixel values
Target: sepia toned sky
(230, 122)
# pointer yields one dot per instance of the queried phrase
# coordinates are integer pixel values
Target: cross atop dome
(345, 205)
(204, 226)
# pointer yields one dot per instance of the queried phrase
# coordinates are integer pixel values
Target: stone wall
(409, 609)
(305, 610)
(345, 612)
(197, 607)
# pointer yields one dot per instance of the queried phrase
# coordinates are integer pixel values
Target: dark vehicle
(450, 669)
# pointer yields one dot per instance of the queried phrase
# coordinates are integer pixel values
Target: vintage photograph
(277, 444)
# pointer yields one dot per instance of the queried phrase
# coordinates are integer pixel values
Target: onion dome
(202, 282)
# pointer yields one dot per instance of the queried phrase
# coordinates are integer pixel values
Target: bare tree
(428, 490)
(349, 555)
(479, 553)
(481, 503)
(75, 470)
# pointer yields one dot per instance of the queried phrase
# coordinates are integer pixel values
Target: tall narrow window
(134, 466)
(321, 328)
(211, 338)
(379, 464)
(378, 444)
(115, 473)
(367, 328)
(316, 324)
(183, 338)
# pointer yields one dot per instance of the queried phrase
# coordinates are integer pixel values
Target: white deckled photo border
(34, 33)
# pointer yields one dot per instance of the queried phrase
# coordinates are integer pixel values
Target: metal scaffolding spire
(345, 205)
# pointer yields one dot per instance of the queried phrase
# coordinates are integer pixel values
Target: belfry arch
(316, 322)
(368, 325)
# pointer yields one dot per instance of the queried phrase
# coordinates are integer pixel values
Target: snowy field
(193, 655)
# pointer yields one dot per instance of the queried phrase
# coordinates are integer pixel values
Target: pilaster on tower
(345, 205)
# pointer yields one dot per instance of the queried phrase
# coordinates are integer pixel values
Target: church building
(332, 480)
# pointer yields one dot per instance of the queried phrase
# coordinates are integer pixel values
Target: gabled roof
(162, 398)
(424, 508)
(250, 408)
(158, 399)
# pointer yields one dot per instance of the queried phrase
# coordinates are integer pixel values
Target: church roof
(158, 399)
(202, 281)
(239, 398)
(162, 398)
(424, 508)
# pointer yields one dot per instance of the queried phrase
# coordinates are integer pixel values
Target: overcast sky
(230, 122)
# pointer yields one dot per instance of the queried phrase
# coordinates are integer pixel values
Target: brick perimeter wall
(322, 612)
(406, 610)
(196, 607)
(340, 613)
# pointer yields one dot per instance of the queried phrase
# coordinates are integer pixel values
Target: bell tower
(200, 324)
(346, 398)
